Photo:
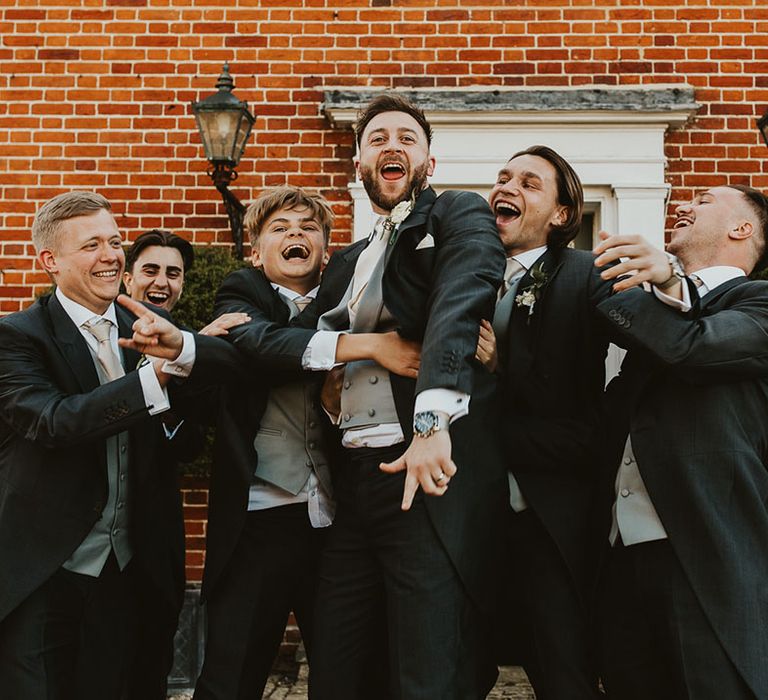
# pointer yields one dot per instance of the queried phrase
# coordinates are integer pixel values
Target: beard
(416, 184)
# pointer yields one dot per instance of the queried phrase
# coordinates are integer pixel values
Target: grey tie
(515, 272)
(105, 354)
(371, 302)
(302, 303)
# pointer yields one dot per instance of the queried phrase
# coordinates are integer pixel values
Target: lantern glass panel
(244, 129)
(219, 130)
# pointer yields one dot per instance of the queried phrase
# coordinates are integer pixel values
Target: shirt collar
(80, 315)
(293, 295)
(529, 257)
(713, 277)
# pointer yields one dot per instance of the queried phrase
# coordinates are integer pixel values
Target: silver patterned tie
(105, 354)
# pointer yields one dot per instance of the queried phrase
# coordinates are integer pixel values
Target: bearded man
(406, 567)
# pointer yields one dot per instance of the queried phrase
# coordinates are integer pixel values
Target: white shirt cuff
(454, 403)
(320, 353)
(170, 433)
(182, 365)
(155, 396)
(683, 304)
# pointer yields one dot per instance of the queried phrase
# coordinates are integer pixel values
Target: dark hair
(158, 237)
(569, 194)
(286, 197)
(758, 202)
(390, 102)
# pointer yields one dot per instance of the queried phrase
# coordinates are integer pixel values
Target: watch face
(424, 422)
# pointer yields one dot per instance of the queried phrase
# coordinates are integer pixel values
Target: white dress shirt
(155, 396)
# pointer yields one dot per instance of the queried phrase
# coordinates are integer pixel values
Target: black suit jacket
(438, 295)
(54, 418)
(693, 393)
(273, 357)
(550, 402)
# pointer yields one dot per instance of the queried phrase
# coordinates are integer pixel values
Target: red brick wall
(95, 94)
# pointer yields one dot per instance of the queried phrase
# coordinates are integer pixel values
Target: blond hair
(45, 227)
(287, 197)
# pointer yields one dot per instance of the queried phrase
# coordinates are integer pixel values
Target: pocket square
(426, 242)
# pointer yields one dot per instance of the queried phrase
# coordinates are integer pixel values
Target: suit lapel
(525, 326)
(73, 347)
(125, 321)
(416, 219)
(711, 298)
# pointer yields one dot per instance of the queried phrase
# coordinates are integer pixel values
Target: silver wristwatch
(426, 423)
(677, 274)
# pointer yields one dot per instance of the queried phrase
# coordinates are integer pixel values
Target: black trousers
(656, 641)
(544, 625)
(72, 639)
(157, 624)
(273, 570)
(393, 619)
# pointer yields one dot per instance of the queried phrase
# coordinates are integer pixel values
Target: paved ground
(292, 685)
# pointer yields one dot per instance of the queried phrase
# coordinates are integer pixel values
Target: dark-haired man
(155, 266)
(405, 572)
(684, 603)
(548, 347)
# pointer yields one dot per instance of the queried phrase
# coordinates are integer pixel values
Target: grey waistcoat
(289, 443)
(111, 531)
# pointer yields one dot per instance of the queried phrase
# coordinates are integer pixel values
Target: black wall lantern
(225, 123)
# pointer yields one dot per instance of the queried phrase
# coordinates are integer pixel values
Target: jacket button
(347, 385)
(346, 417)
(374, 379)
(371, 412)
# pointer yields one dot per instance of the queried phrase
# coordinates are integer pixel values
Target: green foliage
(195, 309)
(212, 265)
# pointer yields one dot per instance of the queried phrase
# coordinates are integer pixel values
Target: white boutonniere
(531, 294)
(396, 217)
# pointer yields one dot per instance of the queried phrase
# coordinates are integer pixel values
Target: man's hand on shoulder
(643, 263)
(428, 464)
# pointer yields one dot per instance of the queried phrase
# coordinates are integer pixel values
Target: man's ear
(47, 259)
(744, 230)
(431, 166)
(127, 282)
(356, 163)
(256, 257)
(560, 216)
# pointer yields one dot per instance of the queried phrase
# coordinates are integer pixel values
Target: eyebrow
(156, 266)
(283, 220)
(400, 130)
(526, 174)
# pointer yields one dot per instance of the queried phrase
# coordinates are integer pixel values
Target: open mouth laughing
(506, 211)
(392, 170)
(683, 221)
(158, 298)
(296, 251)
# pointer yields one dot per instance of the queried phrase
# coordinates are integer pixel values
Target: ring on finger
(440, 478)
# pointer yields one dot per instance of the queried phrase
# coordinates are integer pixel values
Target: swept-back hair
(569, 194)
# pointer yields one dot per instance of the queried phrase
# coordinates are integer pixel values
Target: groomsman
(156, 266)
(684, 603)
(79, 464)
(271, 494)
(407, 563)
(548, 347)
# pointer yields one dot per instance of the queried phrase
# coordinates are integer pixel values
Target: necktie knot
(106, 356)
(302, 302)
(100, 329)
(513, 269)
